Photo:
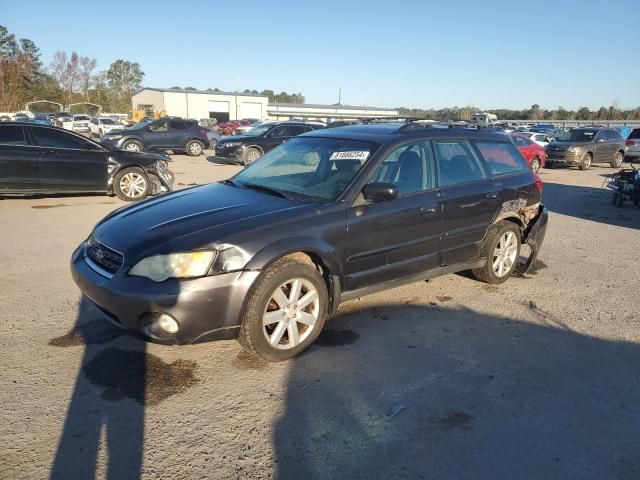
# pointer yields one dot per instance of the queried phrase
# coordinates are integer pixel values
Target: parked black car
(260, 139)
(328, 216)
(162, 134)
(37, 159)
(584, 146)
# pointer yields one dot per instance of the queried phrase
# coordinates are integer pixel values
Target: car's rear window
(501, 158)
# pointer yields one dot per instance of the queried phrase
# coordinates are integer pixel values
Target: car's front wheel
(251, 155)
(194, 148)
(585, 163)
(501, 249)
(285, 311)
(132, 184)
(132, 146)
(617, 160)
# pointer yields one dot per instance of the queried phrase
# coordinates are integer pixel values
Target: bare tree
(57, 66)
(85, 72)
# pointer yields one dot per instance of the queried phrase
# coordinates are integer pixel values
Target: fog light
(168, 323)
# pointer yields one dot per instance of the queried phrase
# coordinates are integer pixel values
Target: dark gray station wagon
(267, 255)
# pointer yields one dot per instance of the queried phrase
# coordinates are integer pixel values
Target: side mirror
(380, 192)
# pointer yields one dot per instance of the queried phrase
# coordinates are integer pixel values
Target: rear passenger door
(18, 160)
(471, 200)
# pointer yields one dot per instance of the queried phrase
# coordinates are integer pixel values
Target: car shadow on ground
(220, 161)
(589, 203)
(409, 391)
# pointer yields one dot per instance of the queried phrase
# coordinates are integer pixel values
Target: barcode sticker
(351, 155)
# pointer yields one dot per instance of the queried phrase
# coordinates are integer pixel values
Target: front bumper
(633, 151)
(207, 308)
(563, 158)
(234, 153)
(534, 237)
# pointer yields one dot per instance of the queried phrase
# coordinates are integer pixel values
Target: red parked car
(229, 128)
(533, 153)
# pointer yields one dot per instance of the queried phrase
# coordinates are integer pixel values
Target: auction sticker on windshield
(351, 155)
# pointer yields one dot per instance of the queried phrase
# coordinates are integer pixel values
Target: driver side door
(68, 162)
(397, 238)
(157, 134)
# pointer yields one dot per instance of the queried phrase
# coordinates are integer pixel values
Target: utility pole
(340, 96)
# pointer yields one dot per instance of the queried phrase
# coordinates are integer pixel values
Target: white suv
(98, 126)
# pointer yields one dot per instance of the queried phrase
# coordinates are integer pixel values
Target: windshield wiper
(265, 189)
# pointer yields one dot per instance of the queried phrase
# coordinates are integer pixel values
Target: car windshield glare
(258, 130)
(577, 136)
(309, 167)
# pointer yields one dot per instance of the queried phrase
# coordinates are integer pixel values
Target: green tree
(124, 78)
(583, 113)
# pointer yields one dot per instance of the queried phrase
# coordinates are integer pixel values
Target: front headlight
(175, 265)
(574, 149)
(230, 258)
(232, 144)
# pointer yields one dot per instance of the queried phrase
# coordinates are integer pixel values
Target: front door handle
(493, 195)
(428, 210)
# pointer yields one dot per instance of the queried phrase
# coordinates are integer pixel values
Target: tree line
(613, 112)
(69, 78)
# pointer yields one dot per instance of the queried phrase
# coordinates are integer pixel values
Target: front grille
(104, 257)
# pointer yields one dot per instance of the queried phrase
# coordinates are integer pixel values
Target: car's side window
(456, 163)
(409, 168)
(12, 135)
(177, 125)
(278, 132)
(295, 130)
(501, 158)
(614, 135)
(48, 137)
(159, 126)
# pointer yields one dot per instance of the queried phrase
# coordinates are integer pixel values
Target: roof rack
(391, 119)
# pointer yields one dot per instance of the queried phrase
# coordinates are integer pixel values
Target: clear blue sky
(490, 54)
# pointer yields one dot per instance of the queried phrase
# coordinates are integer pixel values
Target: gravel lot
(538, 378)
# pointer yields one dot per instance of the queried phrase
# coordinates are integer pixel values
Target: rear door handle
(492, 195)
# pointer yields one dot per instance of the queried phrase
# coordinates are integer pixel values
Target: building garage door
(251, 110)
(219, 110)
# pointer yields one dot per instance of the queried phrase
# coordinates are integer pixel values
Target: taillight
(538, 182)
(629, 143)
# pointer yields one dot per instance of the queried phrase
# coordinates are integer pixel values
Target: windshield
(258, 130)
(577, 136)
(107, 121)
(309, 167)
(80, 117)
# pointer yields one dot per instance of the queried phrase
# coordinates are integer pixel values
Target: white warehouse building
(225, 106)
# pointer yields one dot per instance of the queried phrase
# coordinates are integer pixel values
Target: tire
(496, 234)
(535, 165)
(617, 160)
(585, 163)
(271, 331)
(132, 146)
(132, 184)
(194, 148)
(250, 155)
(213, 143)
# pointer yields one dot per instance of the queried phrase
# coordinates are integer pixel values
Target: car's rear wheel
(132, 184)
(213, 143)
(194, 148)
(285, 311)
(585, 163)
(132, 146)
(250, 155)
(617, 160)
(501, 249)
(535, 164)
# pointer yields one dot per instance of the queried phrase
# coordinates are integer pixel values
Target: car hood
(240, 138)
(561, 146)
(189, 219)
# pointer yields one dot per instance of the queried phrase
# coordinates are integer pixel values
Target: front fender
(281, 248)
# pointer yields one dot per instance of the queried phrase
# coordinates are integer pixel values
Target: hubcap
(505, 254)
(291, 313)
(195, 148)
(535, 164)
(133, 184)
(587, 161)
(132, 147)
(252, 156)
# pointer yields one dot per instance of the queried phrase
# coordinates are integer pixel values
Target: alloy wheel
(504, 255)
(252, 156)
(291, 313)
(195, 148)
(132, 147)
(133, 185)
